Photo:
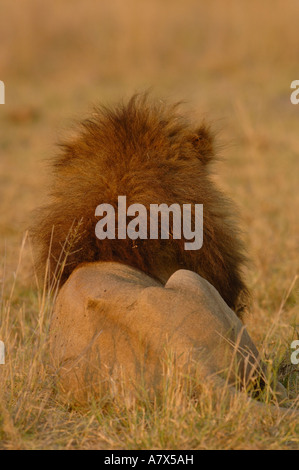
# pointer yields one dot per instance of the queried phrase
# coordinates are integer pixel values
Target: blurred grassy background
(232, 62)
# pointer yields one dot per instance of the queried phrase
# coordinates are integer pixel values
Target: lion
(124, 304)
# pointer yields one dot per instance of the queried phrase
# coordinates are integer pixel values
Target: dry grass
(234, 62)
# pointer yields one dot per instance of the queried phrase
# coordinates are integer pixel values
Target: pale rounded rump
(113, 326)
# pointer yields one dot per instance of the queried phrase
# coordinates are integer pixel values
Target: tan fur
(152, 154)
(115, 328)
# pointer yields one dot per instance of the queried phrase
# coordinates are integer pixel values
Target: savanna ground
(233, 63)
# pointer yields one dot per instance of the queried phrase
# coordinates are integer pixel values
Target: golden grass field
(232, 62)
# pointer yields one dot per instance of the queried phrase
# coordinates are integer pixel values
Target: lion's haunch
(114, 324)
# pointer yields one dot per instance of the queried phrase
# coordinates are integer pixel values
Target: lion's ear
(203, 141)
